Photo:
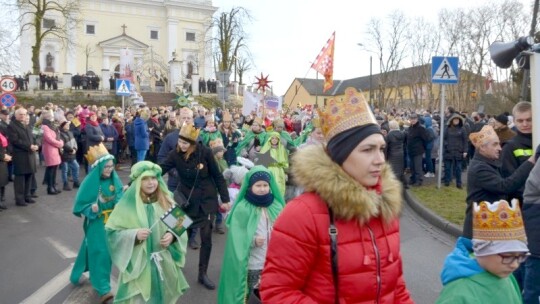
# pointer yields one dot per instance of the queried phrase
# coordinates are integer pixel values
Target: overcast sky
(287, 35)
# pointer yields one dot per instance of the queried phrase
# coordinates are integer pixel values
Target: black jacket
(417, 137)
(520, 145)
(395, 145)
(486, 183)
(70, 145)
(206, 185)
(20, 138)
(455, 140)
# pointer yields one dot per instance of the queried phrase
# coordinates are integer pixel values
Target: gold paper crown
(188, 131)
(316, 122)
(339, 116)
(96, 152)
(227, 116)
(259, 121)
(486, 135)
(498, 221)
(218, 142)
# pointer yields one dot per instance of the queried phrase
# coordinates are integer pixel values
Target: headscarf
(342, 144)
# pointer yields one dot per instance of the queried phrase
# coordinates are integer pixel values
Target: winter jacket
(485, 183)
(70, 145)
(395, 142)
(298, 264)
(417, 137)
(51, 147)
(514, 153)
(140, 132)
(20, 138)
(455, 140)
(94, 135)
(169, 143)
(531, 210)
(465, 281)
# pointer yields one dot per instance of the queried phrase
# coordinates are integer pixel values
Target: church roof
(123, 41)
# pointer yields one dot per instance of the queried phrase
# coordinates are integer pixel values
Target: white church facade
(170, 41)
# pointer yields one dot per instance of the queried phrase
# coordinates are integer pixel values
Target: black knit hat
(502, 119)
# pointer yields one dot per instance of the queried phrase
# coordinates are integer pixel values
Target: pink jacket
(50, 147)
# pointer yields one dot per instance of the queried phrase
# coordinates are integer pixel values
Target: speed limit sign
(8, 85)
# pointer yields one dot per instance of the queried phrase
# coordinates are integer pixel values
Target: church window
(154, 35)
(90, 29)
(190, 36)
(48, 23)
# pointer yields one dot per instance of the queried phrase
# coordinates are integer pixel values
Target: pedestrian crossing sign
(445, 70)
(123, 87)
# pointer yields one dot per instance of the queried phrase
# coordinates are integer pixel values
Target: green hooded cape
(281, 155)
(242, 222)
(93, 254)
(140, 279)
(250, 136)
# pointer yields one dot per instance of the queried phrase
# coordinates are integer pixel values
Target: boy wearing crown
(480, 270)
(484, 179)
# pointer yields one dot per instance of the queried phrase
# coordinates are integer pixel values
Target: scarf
(93, 123)
(264, 200)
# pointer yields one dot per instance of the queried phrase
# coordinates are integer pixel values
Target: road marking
(50, 289)
(64, 251)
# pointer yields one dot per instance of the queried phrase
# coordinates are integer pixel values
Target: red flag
(324, 63)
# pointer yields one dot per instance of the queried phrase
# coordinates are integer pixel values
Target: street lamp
(370, 76)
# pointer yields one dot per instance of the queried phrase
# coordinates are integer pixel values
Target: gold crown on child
(498, 221)
(341, 115)
(96, 152)
(188, 131)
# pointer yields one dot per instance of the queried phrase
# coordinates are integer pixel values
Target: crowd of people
(309, 200)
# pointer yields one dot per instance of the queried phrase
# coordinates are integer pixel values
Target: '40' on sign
(8, 85)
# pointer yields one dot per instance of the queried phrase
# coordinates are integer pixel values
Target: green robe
(481, 288)
(280, 154)
(242, 223)
(248, 140)
(93, 254)
(140, 279)
(207, 137)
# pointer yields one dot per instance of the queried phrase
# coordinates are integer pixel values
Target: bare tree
(88, 51)
(390, 42)
(242, 66)
(229, 36)
(46, 18)
(9, 55)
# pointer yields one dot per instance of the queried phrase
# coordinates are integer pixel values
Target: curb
(431, 217)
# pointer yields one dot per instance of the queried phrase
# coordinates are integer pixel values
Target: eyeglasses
(509, 259)
(109, 167)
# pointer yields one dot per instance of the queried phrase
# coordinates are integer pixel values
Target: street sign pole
(123, 109)
(441, 134)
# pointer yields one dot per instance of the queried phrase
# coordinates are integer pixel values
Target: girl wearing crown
(200, 182)
(350, 210)
(253, 140)
(98, 193)
(281, 157)
(150, 259)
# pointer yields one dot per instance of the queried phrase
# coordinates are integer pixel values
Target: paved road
(40, 243)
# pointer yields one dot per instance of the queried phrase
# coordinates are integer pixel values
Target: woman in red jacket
(349, 179)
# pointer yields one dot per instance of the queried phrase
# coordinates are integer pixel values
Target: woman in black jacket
(395, 145)
(200, 182)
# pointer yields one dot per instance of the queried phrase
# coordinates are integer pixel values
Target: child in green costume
(250, 224)
(98, 194)
(149, 257)
(280, 154)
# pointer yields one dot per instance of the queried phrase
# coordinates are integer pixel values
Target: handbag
(333, 254)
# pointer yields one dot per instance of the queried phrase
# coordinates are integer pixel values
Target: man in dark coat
(417, 137)
(484, 179)
(24, 157)
(454, 149)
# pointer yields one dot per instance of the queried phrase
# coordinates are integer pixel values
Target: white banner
(252, 102)
(126, 64)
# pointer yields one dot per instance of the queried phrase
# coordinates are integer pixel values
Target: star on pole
(262, 83)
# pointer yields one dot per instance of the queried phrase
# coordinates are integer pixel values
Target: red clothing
(298, 264)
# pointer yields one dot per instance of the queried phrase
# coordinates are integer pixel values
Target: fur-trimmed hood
(315, 171)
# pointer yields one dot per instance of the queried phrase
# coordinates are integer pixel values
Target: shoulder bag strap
(333, 232)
